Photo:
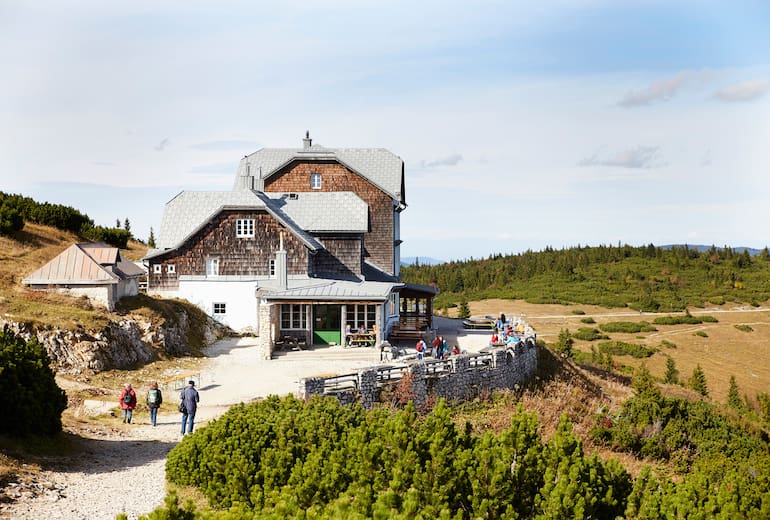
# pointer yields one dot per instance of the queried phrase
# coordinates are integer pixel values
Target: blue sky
(522, 125)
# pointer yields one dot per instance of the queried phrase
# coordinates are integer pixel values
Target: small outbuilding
(95, 270)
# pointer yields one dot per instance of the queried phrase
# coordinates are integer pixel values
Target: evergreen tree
(698, 381)
(117, 223)
(11, 219)
(764, 406)
(733, 395)
(564, 343)
(127, 226)
(33, 402)
(464, 311)
(672, 374)
(644, 385)
(151, 240)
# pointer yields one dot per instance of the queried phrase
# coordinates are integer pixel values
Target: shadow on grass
(551, 367)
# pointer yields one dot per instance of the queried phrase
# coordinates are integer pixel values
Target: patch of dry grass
(725, 352)
(30, 249)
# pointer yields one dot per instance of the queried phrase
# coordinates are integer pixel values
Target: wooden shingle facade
(379, 237)
(305, 245)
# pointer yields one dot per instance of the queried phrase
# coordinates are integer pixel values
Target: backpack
(152, 396)
(127, 398)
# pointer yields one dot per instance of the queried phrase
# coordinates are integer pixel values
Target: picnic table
(290, 342)
(361, 339)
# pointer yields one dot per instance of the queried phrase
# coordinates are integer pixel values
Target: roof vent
(293, 196)
(307, 142)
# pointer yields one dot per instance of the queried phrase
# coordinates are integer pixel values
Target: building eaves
(71, 266)
(335, 290)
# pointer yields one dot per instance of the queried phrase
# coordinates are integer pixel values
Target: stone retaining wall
(458, 378)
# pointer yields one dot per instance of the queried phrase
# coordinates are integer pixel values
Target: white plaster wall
(241, 303)
(129, 287)
(97, 295)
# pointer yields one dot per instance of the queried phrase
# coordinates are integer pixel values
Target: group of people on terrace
(438, 349)
(507, 332)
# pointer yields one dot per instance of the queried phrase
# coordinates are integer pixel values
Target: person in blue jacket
(190, 398)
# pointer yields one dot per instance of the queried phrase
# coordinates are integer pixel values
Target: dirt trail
(122, 468)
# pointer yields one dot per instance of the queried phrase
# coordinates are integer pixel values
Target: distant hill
(649, 278)
(703, 248)
(423, 260)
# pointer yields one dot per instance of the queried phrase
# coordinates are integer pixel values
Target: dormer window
(315, 181)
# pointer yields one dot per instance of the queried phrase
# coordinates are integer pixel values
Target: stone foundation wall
(456, 379)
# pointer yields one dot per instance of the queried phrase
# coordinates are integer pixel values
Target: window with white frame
(315, 181)
(220, 308)
(171, 268)
(157, 268)
(271, 267)
(212, 266)
(244, 227)
(293, 316)
(361, 314)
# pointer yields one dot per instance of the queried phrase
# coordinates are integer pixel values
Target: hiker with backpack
(188, 406)
(154, 400)
(420, 348)
(128, 402)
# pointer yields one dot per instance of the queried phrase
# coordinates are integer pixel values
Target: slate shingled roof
(94, 263)
(381, 167)
(329, 212)
(189, 211)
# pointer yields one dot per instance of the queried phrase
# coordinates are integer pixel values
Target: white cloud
(162, 145)
(743, 92)
(639, 157)
(449, 160)
(662, 90)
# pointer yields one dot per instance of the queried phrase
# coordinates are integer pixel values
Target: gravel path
(92, 485)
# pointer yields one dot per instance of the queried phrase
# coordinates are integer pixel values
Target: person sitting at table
(361, 329)
(455, 350)
(494, 339)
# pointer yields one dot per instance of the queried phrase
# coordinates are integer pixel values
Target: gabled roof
(381, 167)
(85, 264)
(324, 212)
(189, 211)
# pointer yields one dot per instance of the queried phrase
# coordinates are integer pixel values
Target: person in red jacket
(128, 402)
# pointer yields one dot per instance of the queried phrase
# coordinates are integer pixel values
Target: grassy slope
(724, 352)
(32, 248)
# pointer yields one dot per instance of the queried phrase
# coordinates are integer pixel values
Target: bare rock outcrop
(126, 343)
